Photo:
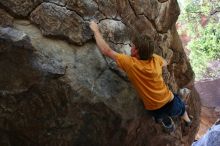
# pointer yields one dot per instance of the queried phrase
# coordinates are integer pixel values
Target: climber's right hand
(94, 27)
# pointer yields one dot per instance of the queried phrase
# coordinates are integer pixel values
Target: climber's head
(134, 51)
(143, 47)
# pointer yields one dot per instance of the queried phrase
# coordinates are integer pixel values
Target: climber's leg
(162, 117)
(186, 118)
(178, 109)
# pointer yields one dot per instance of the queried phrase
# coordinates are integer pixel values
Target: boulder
(20, 8)
(58, 89)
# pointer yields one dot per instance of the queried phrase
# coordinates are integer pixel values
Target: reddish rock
(210, 99)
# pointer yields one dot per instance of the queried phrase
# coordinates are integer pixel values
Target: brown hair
(145, 46)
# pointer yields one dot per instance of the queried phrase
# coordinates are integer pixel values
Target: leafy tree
(202, 24)
(205, 48)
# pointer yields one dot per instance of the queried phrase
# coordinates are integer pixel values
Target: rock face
(210, 101)
(57, 89)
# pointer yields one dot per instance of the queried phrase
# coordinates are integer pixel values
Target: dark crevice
(151, 21)
(132, 8)
(115, 19)
(119, 74)
(118, 43)
(77, 13)
(34, 9)
(117, 13)
(116, 71)
(101, 72)
(124, 19)
(98, 76)
(105, 59)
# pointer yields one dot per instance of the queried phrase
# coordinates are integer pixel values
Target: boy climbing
(144, 70)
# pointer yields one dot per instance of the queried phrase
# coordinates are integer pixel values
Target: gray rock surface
(211, 138)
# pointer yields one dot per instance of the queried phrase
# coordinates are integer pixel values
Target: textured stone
(140, 25)
(181, 67)
(124, 9)
(149, 8)
(47, 109)
(5, 19)
(20, 8)
(107, 8)
(210, 104)
(108, 27)
(58, 21)
(16, 50)
(140, 132)
(58, 2)
(168, 15)
(86, 9)
(40, 107)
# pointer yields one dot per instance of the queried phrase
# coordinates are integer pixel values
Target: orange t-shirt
(146, 77)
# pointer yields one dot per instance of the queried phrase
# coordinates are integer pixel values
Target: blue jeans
(174, 108)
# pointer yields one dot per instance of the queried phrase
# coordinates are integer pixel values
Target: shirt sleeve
(123, 61)
(159, 59)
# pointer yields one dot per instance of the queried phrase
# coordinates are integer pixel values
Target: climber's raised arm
(102, 44)
(165, 63)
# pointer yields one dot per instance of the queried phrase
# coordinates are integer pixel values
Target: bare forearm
(101, 43)
(168, 58)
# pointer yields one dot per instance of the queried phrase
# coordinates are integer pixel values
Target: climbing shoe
(168, 124)
(188, 124)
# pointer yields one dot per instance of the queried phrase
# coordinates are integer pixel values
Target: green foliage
(205, 40)
(205, 48)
